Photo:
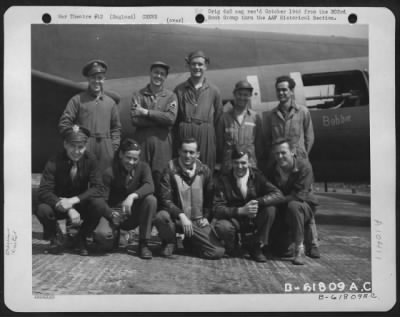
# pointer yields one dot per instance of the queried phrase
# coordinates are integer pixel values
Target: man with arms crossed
(153, 112)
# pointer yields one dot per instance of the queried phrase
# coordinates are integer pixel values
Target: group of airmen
(231, 182)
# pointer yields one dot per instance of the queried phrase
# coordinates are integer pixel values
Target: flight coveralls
(246, 135)
(181, 193)
(153, 132)
(100, 115)
(296, 126)
(198, 113)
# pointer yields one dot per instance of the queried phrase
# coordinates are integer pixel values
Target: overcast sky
(358, 31)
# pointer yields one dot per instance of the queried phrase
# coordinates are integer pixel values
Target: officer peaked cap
(93, 67)
(76, 134)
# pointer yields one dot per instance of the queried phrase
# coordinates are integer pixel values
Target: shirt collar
(189, 83)
(148, 92)
(92, 94)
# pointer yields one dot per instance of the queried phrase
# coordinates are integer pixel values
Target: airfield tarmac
(344, 231)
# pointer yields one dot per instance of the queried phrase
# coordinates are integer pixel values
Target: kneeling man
(71, 189)
(294, 177)
(244, 200)
(186, 200)
(129, 189)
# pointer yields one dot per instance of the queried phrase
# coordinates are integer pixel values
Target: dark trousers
(142, 215)
(90, 212)
(204, 240)
(261, 225)
(297, 216)
(293, 226)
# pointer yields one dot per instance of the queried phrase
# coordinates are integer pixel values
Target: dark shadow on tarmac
(359, 199)
(343, 220)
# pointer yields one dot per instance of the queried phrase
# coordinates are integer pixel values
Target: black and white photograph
(236, 156)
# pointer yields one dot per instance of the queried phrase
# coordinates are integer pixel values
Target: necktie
(73, 171)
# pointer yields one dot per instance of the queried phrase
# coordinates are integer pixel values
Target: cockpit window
(335, 90)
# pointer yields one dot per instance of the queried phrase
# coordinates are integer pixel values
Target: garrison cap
(76, 134)
(129, 145)
(238, 152)
(197, 54)
(93, 67)
(243, 84)
(160, 64)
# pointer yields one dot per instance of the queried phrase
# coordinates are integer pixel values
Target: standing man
(293, 121)
(244, 201)
(199, 108)
(97, 112)
(239, 127)
(153, 112)
(289, 119)
(186, 201)
(71, 189)
(129, 188)
(294, 177)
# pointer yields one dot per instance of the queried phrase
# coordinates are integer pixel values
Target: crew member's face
(283, 155)
(129, 159)
(240, 166)
(75, 150)
(283, 92)
(96, 82)
(242, 98)
(158, 76)
(188, 154)
(197, 67)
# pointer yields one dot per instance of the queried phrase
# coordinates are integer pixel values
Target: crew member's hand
(138, 110)
(186, 225)
(128, 203)
(250, 209)
(65, 204)
(74, 216)
(203, 222)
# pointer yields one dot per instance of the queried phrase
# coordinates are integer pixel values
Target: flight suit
(153, 132)
(198, 113)
(100, 115)
(246, 135)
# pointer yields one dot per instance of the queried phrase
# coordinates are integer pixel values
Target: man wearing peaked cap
(71, 188)
(76, 134)
(239, 126)
(94, 67)
(97, 112)
(199, 108)
(153, 113)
